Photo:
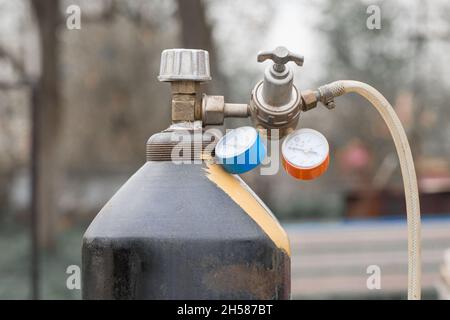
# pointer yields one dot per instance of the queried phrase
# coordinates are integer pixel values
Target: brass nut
(185, 87)
(309, 100)
(213, 110)
(183, 108)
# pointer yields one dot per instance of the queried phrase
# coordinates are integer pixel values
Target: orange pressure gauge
(305, 154)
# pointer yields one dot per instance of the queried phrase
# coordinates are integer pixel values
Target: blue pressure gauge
(240, 150)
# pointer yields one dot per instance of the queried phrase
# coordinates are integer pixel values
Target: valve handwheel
(305, 154)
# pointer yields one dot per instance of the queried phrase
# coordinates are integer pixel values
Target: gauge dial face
(305, 148)
(236, 142)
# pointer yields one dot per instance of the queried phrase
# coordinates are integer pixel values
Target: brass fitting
(185, 69)
(186, 101)
(215, 110)
(309, 99)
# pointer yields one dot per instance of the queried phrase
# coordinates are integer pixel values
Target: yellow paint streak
(246, 200)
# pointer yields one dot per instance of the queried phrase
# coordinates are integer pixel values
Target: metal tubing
(236, 110)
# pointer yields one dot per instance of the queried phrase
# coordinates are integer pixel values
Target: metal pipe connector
(214, 110)
(236, 110)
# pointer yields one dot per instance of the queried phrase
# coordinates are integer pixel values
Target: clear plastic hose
(388, 114)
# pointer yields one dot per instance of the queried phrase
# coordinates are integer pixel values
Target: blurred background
(84, 101)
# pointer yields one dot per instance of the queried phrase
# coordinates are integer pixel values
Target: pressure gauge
(305, 154)
(240, 150)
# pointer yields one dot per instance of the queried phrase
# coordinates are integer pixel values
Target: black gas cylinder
(185, 231)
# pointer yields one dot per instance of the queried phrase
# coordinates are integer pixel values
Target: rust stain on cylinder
(258, 282)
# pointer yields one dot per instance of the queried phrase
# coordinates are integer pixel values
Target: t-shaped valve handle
(280, 56)
(275, 101)
(277, 88)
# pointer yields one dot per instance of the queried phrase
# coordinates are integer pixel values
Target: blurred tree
(196, 33)
(50, 115)
(396, 60)
(379, 57)
(48, 118)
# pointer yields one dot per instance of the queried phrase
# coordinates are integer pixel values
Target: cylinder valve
(275, 102)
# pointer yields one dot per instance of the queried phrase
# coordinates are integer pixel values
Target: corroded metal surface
(198, 245)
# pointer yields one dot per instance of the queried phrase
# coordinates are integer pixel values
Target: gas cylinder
(186, 230)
